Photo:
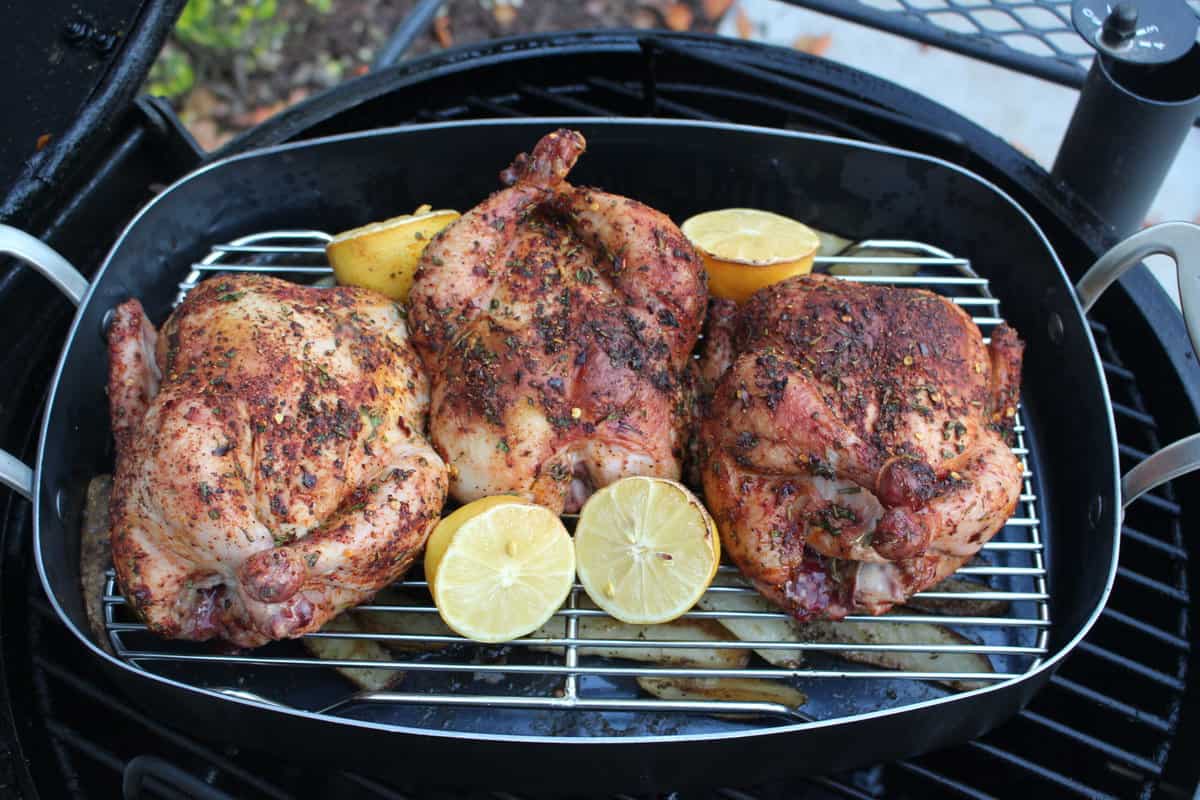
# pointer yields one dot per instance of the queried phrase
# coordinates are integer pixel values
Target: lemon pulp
(384, 255)
(745, 249)
(498, 568)
(646, 549)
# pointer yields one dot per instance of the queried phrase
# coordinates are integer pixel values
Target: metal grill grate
(1034, 37)
(1011, 567)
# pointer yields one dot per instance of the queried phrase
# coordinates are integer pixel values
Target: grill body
(840, 186)
(1119, 719)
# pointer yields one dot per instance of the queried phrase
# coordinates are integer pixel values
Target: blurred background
(230, 64)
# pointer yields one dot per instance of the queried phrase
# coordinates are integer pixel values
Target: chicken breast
(855, 449)
(271, 466)
(557, 324)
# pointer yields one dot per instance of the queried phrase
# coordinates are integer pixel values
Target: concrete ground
(1030, 113)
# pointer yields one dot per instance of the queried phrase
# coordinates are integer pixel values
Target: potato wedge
(966, 607)
(410, 622)
(95, 555)
(372, 679)
(882, 269)
(831, 243)
(680, 630)
(744, 690)
(900, 633)
(756, 630)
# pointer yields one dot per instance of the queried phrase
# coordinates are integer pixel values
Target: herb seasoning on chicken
(557, 324)
(271, 467)
(856, 446)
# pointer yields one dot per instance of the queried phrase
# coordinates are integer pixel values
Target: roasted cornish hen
(855, 450)
(557, 323)
(271, 468)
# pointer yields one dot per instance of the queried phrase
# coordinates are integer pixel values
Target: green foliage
(230, 25)
(215, 30)
(172, 74)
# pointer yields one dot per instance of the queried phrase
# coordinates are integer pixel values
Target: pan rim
(1049, 663)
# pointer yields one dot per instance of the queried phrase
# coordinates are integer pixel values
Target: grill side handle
(1181, 242)
(14, 473)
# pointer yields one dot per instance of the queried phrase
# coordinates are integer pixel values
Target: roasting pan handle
(1180, 241)
(13, 473)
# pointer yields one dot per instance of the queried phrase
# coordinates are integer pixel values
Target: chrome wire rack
(436, 673)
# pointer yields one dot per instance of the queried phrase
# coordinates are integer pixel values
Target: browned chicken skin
(271, 468)
(854, 451)
(557, 323)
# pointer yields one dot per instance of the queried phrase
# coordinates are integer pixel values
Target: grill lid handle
(1180, 241)
(18, 244)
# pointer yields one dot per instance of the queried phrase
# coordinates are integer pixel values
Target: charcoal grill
(1110, 720)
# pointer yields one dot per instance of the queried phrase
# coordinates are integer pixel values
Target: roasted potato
(680, 630)
(410, 622)
(881, 632)
(95, 555)
(966, 607)
(756, 630)
(372, 679)
(831, 243)
(885, 269)
(744, 690)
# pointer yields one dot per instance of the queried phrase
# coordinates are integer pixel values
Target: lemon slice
(383, 255)
(647, 549)
(499, 567)
(745, 249)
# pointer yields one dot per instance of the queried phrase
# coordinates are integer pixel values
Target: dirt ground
(314, 48)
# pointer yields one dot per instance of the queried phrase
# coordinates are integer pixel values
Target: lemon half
(384, 255)
(745, 249)
(646, 549)
(499, 567)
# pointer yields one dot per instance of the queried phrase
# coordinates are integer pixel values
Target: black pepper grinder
(1137, 104)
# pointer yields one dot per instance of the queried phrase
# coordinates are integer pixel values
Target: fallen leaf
(715, 9)
(504, 14)
(813, 45)
(201, 103)
(678, 17)
(44, 140)
(643, 18)
(208, 135)
(256, 116)
(441, 29)
(745, 27)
